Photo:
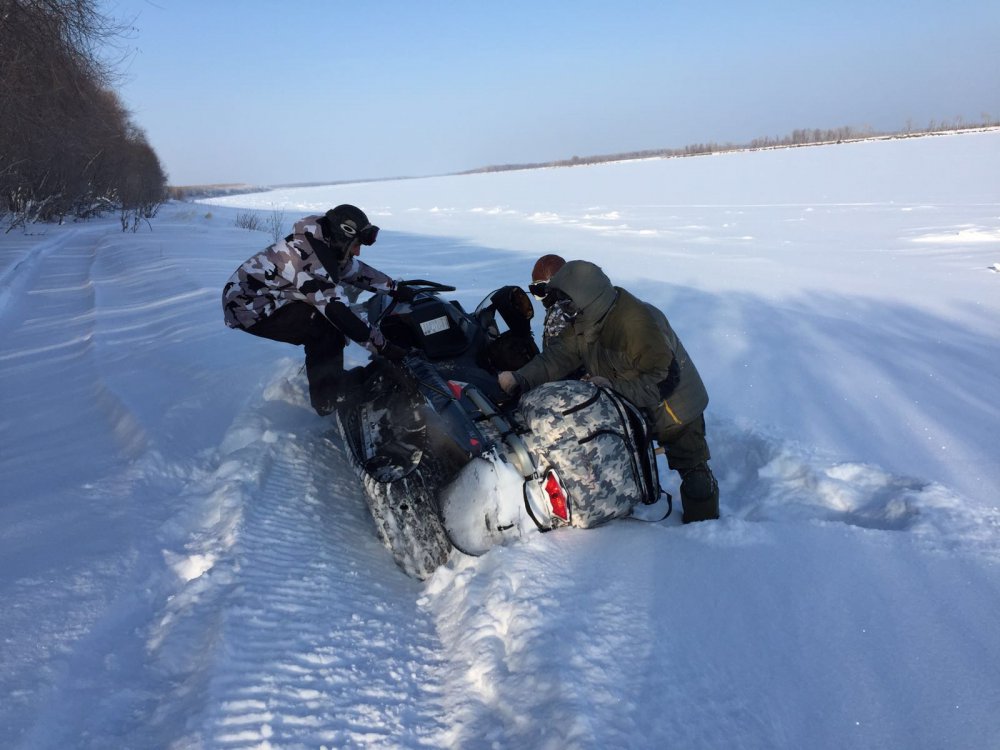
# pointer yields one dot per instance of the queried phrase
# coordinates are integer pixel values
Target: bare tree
(276, 223)
(67, 145)
(249, 220)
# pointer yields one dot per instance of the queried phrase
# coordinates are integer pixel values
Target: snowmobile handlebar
(414, 287)
(423, 285)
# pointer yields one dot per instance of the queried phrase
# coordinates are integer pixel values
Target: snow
(186, 559)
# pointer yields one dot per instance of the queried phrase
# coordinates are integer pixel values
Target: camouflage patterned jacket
(623, 339)
(554, 324)
(290, 271)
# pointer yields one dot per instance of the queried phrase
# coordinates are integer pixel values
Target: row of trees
(810, 136)
(68, 147)
(800, 137)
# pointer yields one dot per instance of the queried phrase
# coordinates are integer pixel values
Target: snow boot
(324, 371)
(324, 386)
(699, 494)
(322, 402)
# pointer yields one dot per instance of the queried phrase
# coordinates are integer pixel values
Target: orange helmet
(542, 272)
(546, 266)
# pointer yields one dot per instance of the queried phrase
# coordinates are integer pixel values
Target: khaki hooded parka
(629, 342)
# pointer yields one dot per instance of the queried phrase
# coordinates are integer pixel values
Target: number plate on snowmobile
(436, 325)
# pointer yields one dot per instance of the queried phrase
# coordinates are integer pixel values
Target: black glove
(403, 293)
(390, 351)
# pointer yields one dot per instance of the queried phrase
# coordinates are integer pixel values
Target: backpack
(597, 442)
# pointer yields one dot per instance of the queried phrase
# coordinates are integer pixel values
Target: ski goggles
(538, 289)
(365, 236)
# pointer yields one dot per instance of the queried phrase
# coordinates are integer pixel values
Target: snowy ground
(186, 560)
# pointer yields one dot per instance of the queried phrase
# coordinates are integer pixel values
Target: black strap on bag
(664, 517)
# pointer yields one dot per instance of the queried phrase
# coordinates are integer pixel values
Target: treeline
(68, 147)
(197, 192)
(800, 137)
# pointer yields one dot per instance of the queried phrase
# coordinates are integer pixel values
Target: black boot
(324, 371)
(699, 494)
(323, 396)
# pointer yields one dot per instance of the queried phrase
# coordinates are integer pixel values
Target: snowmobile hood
(588, 287)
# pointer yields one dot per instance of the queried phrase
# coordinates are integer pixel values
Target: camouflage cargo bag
(597, 442)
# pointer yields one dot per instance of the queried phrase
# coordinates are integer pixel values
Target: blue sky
(306, 91)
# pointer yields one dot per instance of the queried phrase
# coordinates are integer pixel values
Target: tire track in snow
(18, 275)
(306, 633)
(58, 288)
(83, 517)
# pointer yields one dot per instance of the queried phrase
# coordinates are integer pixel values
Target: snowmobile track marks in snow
(407, 523)
(302, 653)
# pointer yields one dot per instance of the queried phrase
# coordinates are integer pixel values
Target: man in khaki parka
(628, 345)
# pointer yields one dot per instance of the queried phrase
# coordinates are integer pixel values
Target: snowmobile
(448, 460)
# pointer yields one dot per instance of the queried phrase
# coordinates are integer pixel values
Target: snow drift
(186, 560)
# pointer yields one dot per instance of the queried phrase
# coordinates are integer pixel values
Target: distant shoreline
(193, 192)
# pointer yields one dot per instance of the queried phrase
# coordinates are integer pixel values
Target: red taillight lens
(557, 496)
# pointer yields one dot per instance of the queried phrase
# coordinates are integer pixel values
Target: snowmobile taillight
(557, 495)
(457, 389)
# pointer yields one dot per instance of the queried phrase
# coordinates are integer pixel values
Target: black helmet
(345, 224)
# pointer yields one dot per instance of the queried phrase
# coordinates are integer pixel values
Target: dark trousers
(687, 453)
(685, 445)
(302, 325)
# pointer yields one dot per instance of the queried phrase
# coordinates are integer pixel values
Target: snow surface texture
(186, 560)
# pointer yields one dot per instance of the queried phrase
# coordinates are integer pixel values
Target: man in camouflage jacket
(292, 292)
(629, 345)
